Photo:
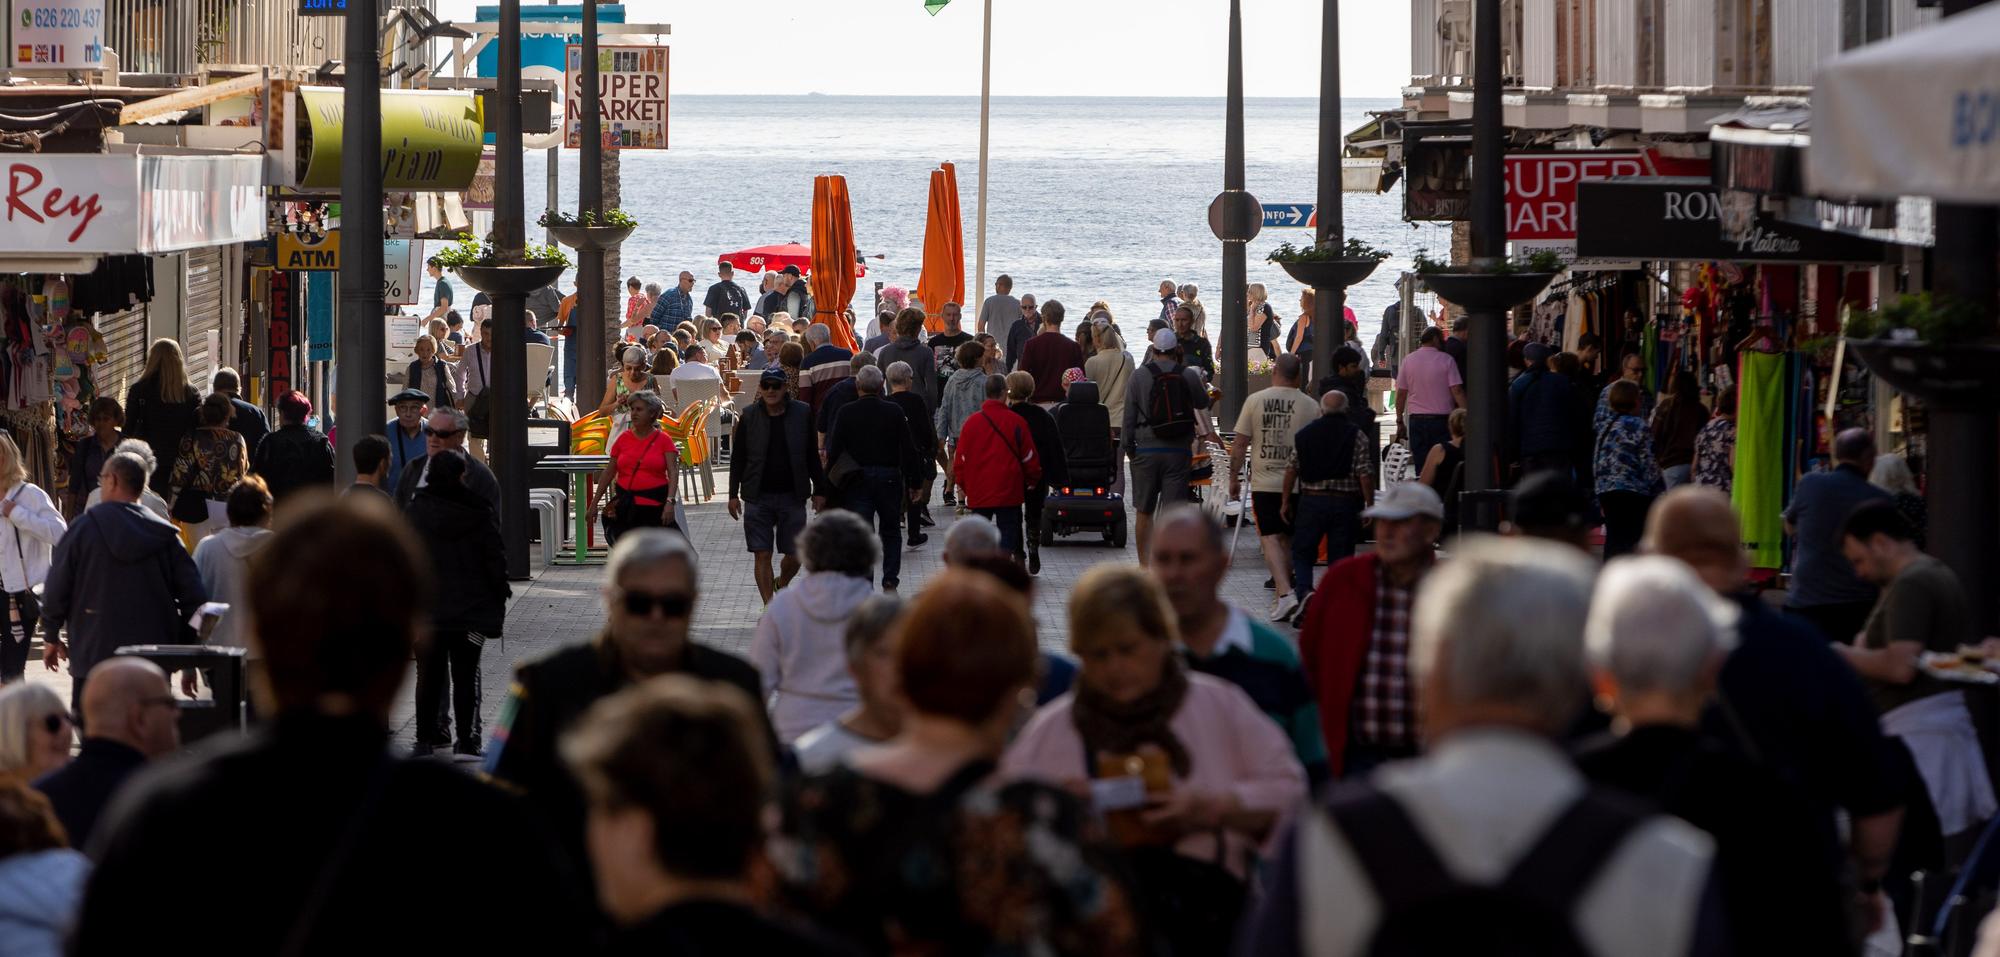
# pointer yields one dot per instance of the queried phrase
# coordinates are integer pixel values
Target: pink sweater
(1236, 748)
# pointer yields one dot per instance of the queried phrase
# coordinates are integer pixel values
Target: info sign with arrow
(1288, 214)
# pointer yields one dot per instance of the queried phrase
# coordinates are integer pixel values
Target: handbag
(479, 412)
(190, 506)
(624, 500)
(25, 607)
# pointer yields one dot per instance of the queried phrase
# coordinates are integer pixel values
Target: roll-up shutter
(125, 341)
(202, 316)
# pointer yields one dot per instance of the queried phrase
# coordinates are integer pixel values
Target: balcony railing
(179, 36)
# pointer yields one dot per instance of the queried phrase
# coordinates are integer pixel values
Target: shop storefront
(102, 253)
(1756, 308)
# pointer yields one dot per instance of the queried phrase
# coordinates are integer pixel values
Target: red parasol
(759, 259)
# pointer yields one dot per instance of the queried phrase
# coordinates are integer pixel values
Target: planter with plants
(1513, 281)
(486, 269)
(1939, 349)
(1328, 266)
(589, 232)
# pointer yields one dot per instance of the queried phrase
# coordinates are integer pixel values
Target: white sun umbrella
(1917, 115)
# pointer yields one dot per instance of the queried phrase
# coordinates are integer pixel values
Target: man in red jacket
(995, 463)
(1355, 643)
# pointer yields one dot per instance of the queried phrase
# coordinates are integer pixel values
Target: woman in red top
(641, 473)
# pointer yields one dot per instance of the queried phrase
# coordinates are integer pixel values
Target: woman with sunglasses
(34, 732)
(642, 471)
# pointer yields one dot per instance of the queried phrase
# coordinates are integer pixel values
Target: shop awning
(1917, 115)
(127, 201)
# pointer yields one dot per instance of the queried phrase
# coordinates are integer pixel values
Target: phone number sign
(62, 35)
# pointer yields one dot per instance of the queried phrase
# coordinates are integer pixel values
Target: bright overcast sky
(1040, 47)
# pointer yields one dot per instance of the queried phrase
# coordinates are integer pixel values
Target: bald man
(1784, 698)
(132, 717)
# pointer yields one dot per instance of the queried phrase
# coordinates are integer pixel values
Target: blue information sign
(1288, 214)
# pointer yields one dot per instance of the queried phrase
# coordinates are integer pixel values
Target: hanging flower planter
(1328, 266)
(587, 232)
(1938, 350)
(1487, 291)
(485, 269)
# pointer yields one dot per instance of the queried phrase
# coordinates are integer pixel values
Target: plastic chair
(549, 515)
(688, 393)
(689, 430)
(541, 359)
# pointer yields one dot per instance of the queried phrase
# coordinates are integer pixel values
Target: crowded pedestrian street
(1000, 478)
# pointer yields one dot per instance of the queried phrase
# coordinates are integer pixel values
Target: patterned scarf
(1120, 728)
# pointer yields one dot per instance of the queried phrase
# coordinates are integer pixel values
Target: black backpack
(1169, 408)
(1425, 910)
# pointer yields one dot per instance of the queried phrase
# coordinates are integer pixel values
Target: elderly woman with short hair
(34, 732)
(798, 645)
(642, 470)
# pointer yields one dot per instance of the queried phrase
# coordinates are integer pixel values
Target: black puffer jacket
(466, 554)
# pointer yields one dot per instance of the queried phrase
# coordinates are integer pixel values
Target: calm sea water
(1088, 198)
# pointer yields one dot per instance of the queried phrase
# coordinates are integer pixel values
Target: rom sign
(632, 86)
(1680, 219)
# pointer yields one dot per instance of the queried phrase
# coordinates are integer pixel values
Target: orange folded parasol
(943, 278)
(833, 257)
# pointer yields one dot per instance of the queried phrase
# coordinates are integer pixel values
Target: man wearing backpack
(1491, 842)
(1159, 423)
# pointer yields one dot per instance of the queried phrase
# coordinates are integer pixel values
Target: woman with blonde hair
(35, 732)
(30, 526)
(1203, 777)
(1263, 320)
(431, 375)
(161, 408)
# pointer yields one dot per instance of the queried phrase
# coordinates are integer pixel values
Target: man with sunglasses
(776, 462)
(651, 584)
(133, 718)
(446, 429)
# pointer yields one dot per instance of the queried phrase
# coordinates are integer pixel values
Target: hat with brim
(1406, 500)
(410, 395)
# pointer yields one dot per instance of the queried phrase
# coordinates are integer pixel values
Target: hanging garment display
(1758, 486)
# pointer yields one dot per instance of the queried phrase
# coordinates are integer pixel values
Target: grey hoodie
(224, 562)
(119, 577)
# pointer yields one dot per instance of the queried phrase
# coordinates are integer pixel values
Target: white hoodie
(799, 649)
(224, 561)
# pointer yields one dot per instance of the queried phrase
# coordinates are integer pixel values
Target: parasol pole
(985, 103)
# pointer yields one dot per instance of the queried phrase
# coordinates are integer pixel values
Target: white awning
(1917, 115)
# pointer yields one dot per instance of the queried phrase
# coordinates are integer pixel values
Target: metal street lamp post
(509, 441)
(359, 385)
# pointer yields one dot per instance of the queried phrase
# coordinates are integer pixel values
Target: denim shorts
(771, 515)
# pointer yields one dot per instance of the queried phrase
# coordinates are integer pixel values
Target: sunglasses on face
(640, 604)
(445, 434)
(771, 387)
(57, 723)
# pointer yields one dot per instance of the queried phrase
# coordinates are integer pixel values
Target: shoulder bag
(479, 412)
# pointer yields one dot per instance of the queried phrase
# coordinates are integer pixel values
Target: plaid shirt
(1364, 464)
(1385, 712)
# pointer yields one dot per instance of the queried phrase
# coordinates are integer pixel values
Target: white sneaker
(1287, 606)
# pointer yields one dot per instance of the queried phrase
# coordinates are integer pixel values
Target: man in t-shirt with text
(1269, 419)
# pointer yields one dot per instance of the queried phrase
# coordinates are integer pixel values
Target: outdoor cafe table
(579, 468)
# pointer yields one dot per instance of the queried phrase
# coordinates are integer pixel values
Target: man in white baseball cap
(1157, 433)
(1356, 636)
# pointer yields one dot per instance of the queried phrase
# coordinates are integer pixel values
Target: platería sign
(632, 84)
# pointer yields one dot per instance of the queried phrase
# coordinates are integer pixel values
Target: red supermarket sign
(1541, 187)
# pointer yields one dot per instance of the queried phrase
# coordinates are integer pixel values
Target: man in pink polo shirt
(1428, 388)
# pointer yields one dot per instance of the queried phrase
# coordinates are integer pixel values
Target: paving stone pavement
(562, 604)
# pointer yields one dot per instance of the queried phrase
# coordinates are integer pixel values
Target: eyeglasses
(444, 434)
(55, 723)
(640, 604)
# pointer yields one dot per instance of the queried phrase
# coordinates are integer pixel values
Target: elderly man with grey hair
(918, 412)
(1492, 825)
(837, 397)
(446, 429)
(1329, 478)
(824, 366)
(1656, 639)
(149, 498)
(651, 585)
(872, 458)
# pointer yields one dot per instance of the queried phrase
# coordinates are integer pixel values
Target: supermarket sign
(1541, 187)
(632, 91)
